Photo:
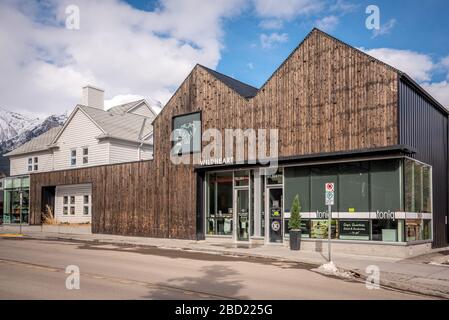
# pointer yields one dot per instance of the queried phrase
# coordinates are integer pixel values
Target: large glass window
(353, 187)
(297, 182)
(387, 230)
(385, 186)
(219, 196)
(365, 190)
(16, 200)
(320, 175)
(417, 185)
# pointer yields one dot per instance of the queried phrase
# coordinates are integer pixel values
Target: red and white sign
(330, 187)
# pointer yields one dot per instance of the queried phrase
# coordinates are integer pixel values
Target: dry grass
(48, 216)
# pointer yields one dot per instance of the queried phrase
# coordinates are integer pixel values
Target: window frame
(73, 160)
(33, 164)
(200, 133)
(85, 155)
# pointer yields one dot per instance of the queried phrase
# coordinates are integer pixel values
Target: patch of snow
(330, 269)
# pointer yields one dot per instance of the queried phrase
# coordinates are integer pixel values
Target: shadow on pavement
(217, 280)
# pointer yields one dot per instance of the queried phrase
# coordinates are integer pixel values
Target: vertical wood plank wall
(326, 97)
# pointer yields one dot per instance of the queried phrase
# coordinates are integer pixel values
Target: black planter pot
(295, 239)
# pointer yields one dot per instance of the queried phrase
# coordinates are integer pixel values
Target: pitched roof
(123, 108)
(125, 126)
(40, 143)
(115, 124)
(245, 90)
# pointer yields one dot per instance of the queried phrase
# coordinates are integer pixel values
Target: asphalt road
(35, 269)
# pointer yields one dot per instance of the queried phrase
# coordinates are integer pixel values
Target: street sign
(329, 194)
(329, 199)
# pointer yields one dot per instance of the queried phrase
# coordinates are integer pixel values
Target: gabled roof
(123, 126)
(123, 108)
(245, 90)
(130, 106)
(249, 92)
(116, 124)
(40, 143)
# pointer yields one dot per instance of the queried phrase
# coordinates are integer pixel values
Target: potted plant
(295, 225)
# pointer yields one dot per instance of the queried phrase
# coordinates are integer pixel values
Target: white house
(91, 136)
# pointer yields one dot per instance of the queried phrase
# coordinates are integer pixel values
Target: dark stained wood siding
(326, 97)
(424, 127)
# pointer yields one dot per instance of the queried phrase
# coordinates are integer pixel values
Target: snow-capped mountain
(16, 129)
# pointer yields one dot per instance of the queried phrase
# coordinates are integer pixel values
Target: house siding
(122, 152)
(19, 164)
(146, 153)
(81, 132)
(143, 110)
(78, 191)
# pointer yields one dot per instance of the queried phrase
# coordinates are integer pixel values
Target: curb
(357, 276)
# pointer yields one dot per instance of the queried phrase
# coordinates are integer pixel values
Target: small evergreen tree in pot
(295, 224)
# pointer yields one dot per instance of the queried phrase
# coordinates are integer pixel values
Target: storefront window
(354, 187)
(385, 186)
(241, 178)
(319, 229)
(220, 214)
(276, 178)
(427, 189)
(387, 230)
(417, 185)
(427, 230)
(354, 229)
(16, 200)
(320, 175)
(297, 182)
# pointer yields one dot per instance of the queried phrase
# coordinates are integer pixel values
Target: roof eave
(108, 136)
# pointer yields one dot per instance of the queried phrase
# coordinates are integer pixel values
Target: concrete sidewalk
(428, 274)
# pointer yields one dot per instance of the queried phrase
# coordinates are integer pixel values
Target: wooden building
(342, 116)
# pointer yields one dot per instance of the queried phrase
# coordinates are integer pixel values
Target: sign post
(20, 210)
(329, 199)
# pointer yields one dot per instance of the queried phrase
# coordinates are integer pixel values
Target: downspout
(139, 154)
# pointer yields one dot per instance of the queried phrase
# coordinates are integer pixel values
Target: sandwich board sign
(329, 194)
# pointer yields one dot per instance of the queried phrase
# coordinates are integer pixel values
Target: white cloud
(444, 64)
(417, 65)
(250, 65)
(119, 48)
(286, 9)
(271, 24)
(343, 7)
(440, 91)
(269, 41)
(327, 23)
(384, 29)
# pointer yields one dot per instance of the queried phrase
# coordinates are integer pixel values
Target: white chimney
(93, 97)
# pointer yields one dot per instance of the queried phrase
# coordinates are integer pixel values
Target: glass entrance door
(275, 206)
(242, 214)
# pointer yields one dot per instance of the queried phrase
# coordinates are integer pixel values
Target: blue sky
(145, 49)
(420, 26)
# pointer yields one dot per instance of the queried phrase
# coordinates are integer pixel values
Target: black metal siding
(423, 126)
